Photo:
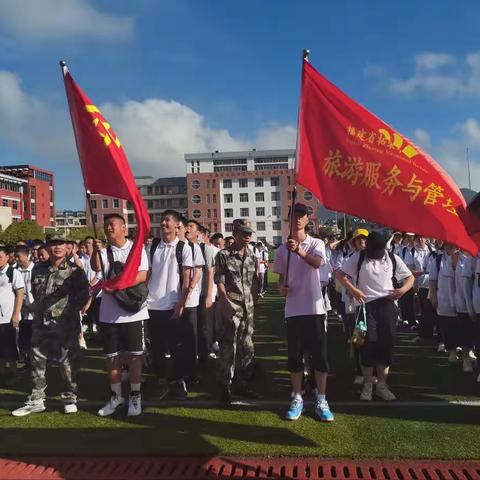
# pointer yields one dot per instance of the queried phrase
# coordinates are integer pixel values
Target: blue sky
(179, 76)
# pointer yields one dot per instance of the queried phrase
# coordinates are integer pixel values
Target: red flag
(353, 162)
(106, 169)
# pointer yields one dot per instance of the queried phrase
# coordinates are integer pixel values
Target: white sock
(135, 387)
(116, 388)
(297, 396)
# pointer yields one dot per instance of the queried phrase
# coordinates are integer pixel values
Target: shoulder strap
(202, 248)
(404, 252)
(430, 249)
(111, 261)
(413, 252)
(361, 259)
(394, 263)
(438, 261)
(153, 247)
(10, 274)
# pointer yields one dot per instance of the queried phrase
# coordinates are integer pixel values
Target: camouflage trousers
(236, 342)
(58, 345)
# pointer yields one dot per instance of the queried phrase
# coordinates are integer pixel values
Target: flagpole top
(305, 54)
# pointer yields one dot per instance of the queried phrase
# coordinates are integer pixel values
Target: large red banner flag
(355, 163)
(106, 169)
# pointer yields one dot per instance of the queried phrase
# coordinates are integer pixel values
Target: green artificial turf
(362, 431)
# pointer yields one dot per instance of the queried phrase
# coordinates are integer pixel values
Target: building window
(243, 182)
(275, 196)
(276, 211)
(208, 183)
(116, 203)
(289, 180)
(307, 196)
(214, 198)
(105, 204)
(196, 213)
(196, 199)
(259, 182)
(33, 208)
(33, 191)
(93, 203)
(15, 205)
(227, 183)
(228, 198)
(277, 240)
(259, 197)
(214, 213)
(229, 227)
(275, 181)
(228, 212)
(260, 226)
(208, 198)
(309, 210)
(277, 226)
(214, 183)
(244, 197)
(5, 202)
(95, 218)
(244, 212)
(209, 213)
(260, 211)
(196, 184)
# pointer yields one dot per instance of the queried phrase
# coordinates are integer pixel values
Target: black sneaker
(178, 389)
(225, 397)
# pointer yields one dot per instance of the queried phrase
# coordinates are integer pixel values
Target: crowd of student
(194, 299)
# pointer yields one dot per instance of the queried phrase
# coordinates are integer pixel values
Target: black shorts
(307, 334)
(8, 342)
(122, 337)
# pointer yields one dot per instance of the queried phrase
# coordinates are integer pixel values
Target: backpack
(178, 254)
(132, 298)
(361, 259)
(10, 274)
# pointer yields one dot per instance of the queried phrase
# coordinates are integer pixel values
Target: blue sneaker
(295, 410)
(322, 410)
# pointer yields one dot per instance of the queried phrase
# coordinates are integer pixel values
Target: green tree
(25, 230)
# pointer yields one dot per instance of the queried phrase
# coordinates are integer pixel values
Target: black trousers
(178, 337)
(25, 339)
(381, 325)
(407, 307)
(427, 314)
(457, 331)
(206, 329)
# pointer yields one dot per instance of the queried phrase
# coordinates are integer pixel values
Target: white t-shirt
(445, 279)
(261, 255)
(326, 268)
(110, 310)
(7, 293)
(419, 262)
(28, 299)
(476, 286)
(375, 277)
(466, 283)
(164, 289)
(210, 256)
(305, 288)
(198, 261)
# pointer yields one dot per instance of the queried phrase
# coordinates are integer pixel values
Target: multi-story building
(11, 196)
(103, 205)
(70, 220)
(38, 194)
(160, 195)
(223, 186)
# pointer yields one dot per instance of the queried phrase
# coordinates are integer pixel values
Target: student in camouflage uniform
(234, 273)
(60, 290)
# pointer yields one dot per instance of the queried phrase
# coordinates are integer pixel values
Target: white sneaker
(367, 392)
(471, 355)
(94, 328)
(134, 405)
(111, 406)
(216, 347)
(212, 355)
(382, 391)
(70, 408)
(358, 380)
(31, 406)
(452, 356)
(82, 343)
(441, 348)
(468, 365)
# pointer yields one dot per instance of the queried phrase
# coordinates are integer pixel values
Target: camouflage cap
(57, 238)
(243, 225)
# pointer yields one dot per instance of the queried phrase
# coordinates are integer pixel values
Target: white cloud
(422, 137)
(155, 133)
(53, 20)
(439, 74)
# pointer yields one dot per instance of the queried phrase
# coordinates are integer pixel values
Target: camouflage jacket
(59, 293)
(236, 272)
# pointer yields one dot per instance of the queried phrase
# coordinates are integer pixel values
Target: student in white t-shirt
(171, 264)
(12, 288)
(305, 312)
(372, 273)
(121, 331)
(262, 261)
(25, 267)
(441, 273)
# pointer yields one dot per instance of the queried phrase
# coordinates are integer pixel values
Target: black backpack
(178, 254)
(361, 259)
(132, 298)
